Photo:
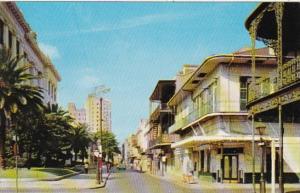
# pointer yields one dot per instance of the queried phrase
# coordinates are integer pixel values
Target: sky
(129, 46)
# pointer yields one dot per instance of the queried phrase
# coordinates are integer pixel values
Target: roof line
(210, 58)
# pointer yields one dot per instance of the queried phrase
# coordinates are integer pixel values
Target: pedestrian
(86, 167)
(187, 168)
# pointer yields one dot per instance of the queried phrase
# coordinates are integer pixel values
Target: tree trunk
(82, 157)
(2, 141)
(76, 157)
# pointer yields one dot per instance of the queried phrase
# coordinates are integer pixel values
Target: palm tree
(79, 140)
(15, 93)
(58, 123)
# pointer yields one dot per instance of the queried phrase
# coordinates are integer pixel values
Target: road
(120, 182)
(133, 182)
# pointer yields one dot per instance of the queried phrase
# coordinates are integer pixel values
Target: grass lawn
(37, 173)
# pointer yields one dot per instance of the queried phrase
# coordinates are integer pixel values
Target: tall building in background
(94, 105)
(17, 36)
(78, 114)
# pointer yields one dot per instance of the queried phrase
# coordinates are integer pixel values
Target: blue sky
(130, 46)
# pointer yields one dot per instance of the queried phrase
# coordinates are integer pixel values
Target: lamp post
(16, 153)
(261, 130)
(98, 91)
(98, 154)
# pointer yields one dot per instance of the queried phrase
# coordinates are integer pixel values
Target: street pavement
(118, 182)
(134, 182)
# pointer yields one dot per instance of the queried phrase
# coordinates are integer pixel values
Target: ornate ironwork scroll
(279, 14)
(253, 32)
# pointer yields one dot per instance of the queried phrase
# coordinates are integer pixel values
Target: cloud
(88, 81)
(50, 50)
(135, 22)
(128, 23)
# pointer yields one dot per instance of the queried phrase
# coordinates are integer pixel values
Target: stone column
(14, 46)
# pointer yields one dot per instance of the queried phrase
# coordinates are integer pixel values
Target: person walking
(187, 169)
(86, 167)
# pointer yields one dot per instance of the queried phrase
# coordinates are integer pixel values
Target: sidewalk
(198, 185)
(92, 184)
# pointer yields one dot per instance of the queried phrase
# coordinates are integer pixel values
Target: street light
(261, 130)
(98, 154)
(16, 154)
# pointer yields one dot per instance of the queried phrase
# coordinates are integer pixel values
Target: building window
(1, 32)
(49, 86)
(52, 91)
(25, 56)
(55, 95)
(39, 78)
(10, 37)
(243, 92)
(18, 49)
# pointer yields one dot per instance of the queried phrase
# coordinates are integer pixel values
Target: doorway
(231, 167)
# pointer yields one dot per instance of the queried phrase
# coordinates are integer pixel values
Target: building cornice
(30, 36)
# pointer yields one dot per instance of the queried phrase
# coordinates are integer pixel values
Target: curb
(172, 181)
(102, 185)
(42, 179)
(60, 177)
(221, 186)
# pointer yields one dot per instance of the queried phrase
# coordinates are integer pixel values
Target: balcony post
(281, 177)
(253, 154)
(279, 14)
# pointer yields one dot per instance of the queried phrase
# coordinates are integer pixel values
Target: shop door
(230, 169)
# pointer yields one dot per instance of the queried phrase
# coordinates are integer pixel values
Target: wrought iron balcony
(164, 139)
(160, 107)
(268, 85)
(291, 72)
(191, 117)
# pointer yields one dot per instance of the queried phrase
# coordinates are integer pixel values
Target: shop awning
(201, 140)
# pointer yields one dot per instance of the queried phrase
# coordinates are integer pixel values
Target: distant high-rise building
(93, 107)
(78, 114)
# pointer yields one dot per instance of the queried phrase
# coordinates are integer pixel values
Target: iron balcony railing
(208, 108)
(163, 139)
(158, 107)
(268, 85)
(191, 117)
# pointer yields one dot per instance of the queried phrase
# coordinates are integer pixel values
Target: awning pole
(253, 154)
(273, 155)
(222, 163)
(280, 178)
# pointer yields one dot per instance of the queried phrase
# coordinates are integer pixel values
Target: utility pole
(101, 103)
(98, 91)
